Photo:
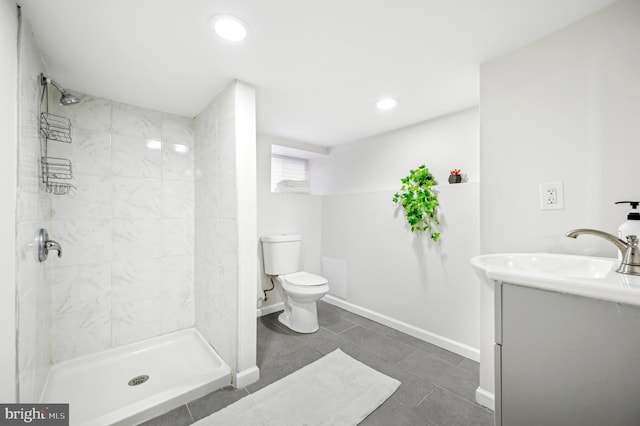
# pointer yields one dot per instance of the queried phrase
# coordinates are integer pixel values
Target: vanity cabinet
(565, 360)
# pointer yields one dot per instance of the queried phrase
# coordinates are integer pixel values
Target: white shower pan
(180, 366)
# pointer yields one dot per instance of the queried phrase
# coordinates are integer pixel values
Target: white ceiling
(318, 65)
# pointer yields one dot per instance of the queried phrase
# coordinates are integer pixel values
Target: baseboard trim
(266, 310)
(485, 398)
(419, 333)
(247, 376)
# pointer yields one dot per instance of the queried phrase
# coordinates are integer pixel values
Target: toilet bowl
(281, 255)
(302, 290)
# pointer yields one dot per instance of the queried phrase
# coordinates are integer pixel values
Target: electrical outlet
(551, 196)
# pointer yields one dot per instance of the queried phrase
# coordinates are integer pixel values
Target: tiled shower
(127, 228)
(149, 233)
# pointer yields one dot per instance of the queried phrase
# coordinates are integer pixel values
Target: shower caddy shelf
(55, 170)
(55, 127)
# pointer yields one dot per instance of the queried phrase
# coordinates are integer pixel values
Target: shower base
(180, 366)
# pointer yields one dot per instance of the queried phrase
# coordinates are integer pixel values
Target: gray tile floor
(437, 388)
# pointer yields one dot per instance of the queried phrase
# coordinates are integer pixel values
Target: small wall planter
(455, 176)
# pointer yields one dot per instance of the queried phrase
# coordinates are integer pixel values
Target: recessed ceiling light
(228, 27)
(387, 103)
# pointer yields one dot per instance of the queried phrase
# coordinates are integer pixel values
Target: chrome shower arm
(66, 97)
(56, 85)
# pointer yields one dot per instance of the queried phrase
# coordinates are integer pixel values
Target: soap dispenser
(632, 225)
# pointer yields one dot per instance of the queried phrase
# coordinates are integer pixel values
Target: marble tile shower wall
(127, 230)
(33, 212)
(216, 225)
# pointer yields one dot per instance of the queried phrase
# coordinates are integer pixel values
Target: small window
(289, 174)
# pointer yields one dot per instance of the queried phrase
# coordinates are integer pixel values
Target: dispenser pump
(634, 215)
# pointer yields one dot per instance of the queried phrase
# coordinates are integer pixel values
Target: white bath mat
(334, 390)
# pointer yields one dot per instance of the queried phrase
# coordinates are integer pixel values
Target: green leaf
(418, 200)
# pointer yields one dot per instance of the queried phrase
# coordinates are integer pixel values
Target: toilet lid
(304, 279)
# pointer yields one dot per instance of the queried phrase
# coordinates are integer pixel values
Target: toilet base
(302, 318)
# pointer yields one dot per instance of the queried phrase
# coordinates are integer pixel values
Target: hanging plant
(419, 201)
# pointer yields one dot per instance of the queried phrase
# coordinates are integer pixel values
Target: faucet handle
(631, 259)
(45, 244)
(52, 245)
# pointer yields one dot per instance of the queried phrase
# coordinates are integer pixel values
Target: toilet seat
(304, 279)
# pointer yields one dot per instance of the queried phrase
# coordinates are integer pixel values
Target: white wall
(33, 212)
(564, 108)
(378, 162)
(286, 213)
(8, 171)
(246, 188)
(225, 228)
(216, 230)
(390, 270)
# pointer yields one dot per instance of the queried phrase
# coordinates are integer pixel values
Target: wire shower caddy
(56, 172)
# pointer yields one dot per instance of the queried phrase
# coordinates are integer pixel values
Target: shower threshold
(136, 382)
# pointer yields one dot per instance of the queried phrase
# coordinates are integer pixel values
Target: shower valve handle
(52, 245)
(45, 244)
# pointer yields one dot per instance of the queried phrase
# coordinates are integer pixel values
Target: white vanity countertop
(593, 277)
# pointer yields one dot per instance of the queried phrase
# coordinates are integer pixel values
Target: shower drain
(138, 380)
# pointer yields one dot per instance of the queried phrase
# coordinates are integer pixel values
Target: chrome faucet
(45, 244)
(630, 264)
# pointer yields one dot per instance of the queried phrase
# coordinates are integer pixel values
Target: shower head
(66, 98)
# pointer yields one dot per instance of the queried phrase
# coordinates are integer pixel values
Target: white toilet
(281, 254)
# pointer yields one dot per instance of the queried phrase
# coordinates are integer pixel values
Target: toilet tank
(281, 254)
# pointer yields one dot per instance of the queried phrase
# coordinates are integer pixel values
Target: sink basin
(594, 277)
(556, 264)
(580, 276)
